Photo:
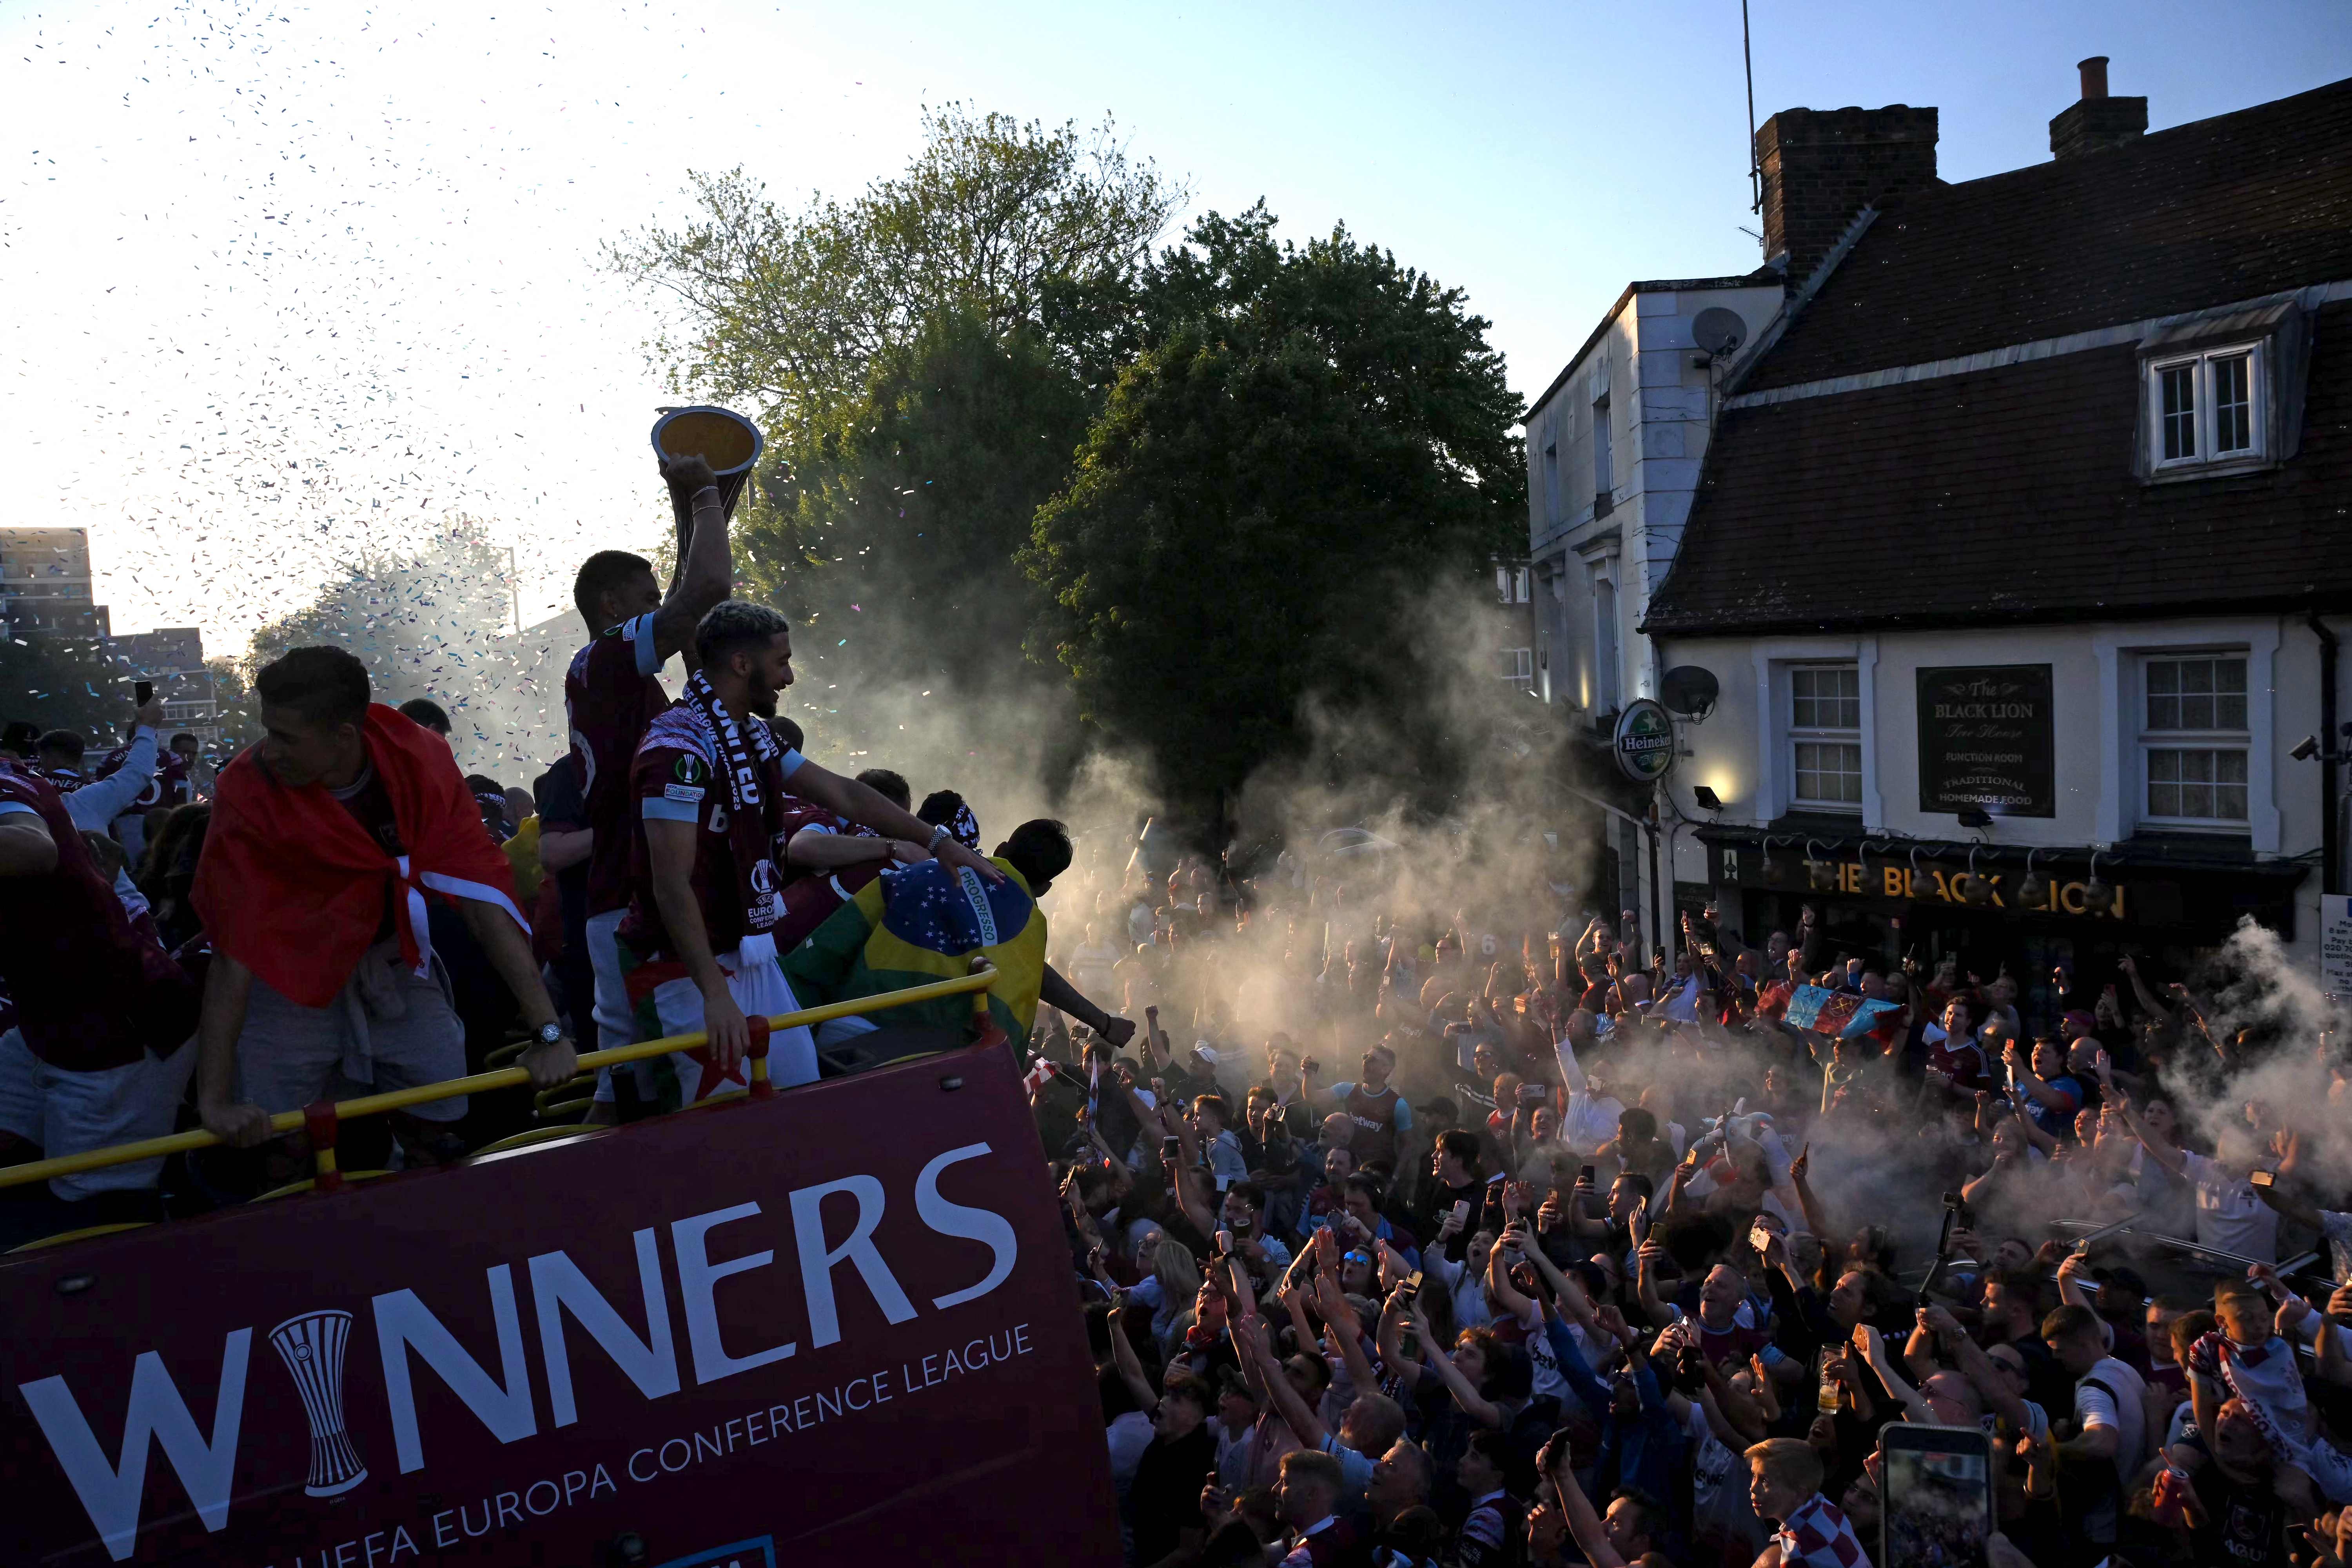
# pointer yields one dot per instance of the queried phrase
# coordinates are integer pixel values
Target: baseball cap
(1205, 1052)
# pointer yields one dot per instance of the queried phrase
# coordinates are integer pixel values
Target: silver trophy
(311, 1346)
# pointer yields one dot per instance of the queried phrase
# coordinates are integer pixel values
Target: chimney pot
(2096, 123)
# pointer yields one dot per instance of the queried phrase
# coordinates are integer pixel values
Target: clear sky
(283, 283)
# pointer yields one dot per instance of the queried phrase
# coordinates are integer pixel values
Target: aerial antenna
(1747, 59)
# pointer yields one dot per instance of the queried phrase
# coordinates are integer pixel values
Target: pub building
(2022, 547)
(1877, 897)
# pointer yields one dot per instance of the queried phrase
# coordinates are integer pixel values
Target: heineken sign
(1645, 742)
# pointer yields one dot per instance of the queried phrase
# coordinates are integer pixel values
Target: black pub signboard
(1985, 741)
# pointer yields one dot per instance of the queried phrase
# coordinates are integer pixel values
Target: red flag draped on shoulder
(293, 888)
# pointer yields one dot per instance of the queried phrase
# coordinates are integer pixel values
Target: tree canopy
(427, 624)
(1202, 484)
(907, 353)
(64, 681)
(891, 527)
(995, 218)
(1311, 438)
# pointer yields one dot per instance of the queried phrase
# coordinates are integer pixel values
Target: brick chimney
(1823, 166)
(2098, 121)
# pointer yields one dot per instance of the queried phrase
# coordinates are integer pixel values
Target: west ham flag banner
(1840, 1013)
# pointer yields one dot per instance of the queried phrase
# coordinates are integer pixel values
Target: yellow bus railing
(504, 1077)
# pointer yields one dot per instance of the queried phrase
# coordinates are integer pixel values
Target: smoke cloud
(2285, 1074)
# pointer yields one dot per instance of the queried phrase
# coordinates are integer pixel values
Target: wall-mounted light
(1861, 856)
(1974, 890)
(2033, 888)
(1706, 798)
(2098, 893)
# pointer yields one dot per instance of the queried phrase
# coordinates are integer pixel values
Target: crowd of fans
(1557, 1247)
(1652, 1256)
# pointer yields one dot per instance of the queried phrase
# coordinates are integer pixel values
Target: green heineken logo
(1645, 740)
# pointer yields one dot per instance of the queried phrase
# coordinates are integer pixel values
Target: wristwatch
(938, 833)
(550, 1033)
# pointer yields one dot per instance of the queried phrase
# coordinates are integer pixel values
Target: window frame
(2146, 739)
(1604, 452)
(2202, 362)
(1555, 508)
(1608, 641)
(1793, 735)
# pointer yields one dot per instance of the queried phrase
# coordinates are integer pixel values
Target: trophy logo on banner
(311, 1346)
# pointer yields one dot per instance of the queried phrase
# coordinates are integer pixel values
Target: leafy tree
(61, 682)
(1308, 440)
(431, 623)
(995, 217)
(237, 708)
(901, 351)
(892, 541)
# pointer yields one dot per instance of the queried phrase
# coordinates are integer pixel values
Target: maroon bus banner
(833, 1326)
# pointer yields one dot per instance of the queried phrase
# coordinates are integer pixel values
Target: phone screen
(142, 692)
(1936, 1490)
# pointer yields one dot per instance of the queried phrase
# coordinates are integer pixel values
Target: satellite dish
(1688, 689)
(1718, 331)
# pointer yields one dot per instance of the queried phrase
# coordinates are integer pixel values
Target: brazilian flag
(918, 924)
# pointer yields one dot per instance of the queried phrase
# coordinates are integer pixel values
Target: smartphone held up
(1935, 1494)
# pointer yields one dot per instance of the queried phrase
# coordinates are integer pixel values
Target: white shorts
(616, 1025)
(760, 989)
(73, 1112)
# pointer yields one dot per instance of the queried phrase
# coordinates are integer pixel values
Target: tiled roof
(2228, 209)
(2008, 495)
